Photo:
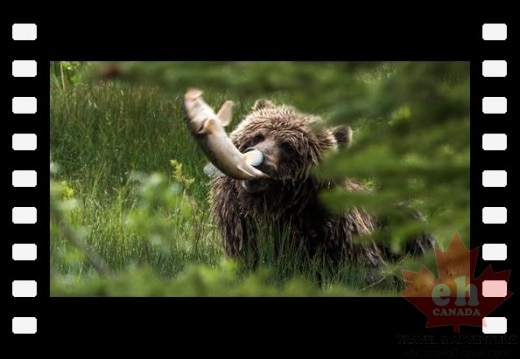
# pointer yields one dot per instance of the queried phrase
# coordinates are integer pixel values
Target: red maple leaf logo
(456, 297)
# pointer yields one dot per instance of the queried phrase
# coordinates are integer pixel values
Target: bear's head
(291, 141)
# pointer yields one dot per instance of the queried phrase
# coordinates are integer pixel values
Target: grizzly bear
(289, 199)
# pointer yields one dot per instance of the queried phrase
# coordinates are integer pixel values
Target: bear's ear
(262, 103)
(343, 135)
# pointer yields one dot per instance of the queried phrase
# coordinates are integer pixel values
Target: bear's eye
(287, 148)
(257, 139)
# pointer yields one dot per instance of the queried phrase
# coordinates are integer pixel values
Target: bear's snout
(269, 164)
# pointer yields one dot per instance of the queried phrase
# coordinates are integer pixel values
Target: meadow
(129, 206)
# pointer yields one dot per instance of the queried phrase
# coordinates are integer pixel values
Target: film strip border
(24, 144)
(494, 140)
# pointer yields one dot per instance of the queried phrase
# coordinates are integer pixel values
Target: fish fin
(192, 94)
(226, 113)
(212, 171)
(210, 126)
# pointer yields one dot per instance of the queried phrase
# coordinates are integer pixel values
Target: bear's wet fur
(289, 200)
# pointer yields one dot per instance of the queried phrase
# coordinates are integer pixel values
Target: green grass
(115, 186)
(102, 136)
